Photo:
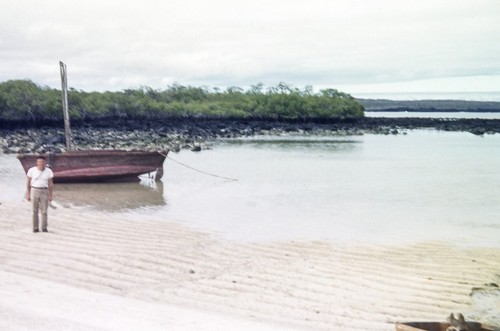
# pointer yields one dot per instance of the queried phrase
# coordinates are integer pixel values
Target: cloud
(116, 44)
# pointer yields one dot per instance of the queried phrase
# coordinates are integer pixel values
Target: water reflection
(299, 142)
(111, 196)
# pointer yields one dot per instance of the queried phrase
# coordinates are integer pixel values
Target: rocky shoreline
(196, 134)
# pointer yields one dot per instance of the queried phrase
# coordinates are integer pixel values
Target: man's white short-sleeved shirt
(39, 178)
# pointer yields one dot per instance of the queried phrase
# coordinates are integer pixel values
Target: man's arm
(51, 187)
(28, 188)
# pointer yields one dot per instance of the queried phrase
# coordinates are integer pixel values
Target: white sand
(100, 272)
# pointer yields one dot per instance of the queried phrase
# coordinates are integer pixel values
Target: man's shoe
(45, 230)
(35, 230)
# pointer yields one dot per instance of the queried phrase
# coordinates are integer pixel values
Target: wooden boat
(99, 165)
(74, 166)
(437, 326)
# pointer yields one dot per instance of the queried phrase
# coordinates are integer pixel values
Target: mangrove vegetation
(24, 100)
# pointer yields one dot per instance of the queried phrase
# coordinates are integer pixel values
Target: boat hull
(437, 326)
(99, 166)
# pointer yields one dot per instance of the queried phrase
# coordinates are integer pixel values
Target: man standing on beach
(39, 191)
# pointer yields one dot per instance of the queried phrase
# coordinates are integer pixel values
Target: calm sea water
(405, 114)
(425, 185)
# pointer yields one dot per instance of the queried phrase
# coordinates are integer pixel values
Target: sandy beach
(94, 271)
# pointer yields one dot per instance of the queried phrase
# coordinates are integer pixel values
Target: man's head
(40, 162)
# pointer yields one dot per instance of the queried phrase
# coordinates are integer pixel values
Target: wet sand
(94, 271)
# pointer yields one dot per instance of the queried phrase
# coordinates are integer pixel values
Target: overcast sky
(355, 46)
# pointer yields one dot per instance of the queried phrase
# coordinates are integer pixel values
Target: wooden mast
(64, 84)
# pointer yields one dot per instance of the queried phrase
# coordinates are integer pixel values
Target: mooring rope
(198, 170)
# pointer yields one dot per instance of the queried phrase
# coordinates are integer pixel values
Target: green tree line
(24, 100)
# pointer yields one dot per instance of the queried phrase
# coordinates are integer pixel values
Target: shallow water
(425, 185)
(406, 114)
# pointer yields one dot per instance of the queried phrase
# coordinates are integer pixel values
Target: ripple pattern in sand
(302, 285)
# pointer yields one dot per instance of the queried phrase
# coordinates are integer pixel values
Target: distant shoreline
(374, 105)
(424, 110)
